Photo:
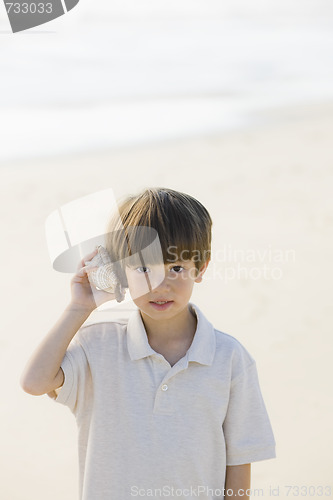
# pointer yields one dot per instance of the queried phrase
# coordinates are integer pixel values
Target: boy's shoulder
(102, 324)
(229, 350)
(227, 341)
(101, 332)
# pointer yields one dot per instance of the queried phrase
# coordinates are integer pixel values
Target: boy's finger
(90, 255)
(89, 268)
(81, 272)
(87, 257)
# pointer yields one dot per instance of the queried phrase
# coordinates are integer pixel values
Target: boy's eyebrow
(180, 261)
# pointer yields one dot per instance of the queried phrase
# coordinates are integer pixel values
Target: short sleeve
(76, 388)
(247, 430)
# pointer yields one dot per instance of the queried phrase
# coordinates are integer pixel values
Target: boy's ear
(202, 271)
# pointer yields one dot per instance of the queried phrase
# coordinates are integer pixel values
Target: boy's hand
(84, 295)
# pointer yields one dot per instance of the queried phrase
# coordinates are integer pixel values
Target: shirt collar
(202, 349)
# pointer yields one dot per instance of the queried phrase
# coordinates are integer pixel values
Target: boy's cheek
(145, 282)
(138, 288)
(137, 292)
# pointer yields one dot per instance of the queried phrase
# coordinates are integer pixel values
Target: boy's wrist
(79, 309)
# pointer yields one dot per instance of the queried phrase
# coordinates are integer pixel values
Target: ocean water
(114, 73)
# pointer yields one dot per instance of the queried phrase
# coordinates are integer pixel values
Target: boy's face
(163, 282)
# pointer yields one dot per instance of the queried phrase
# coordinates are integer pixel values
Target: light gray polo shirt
(149, 430)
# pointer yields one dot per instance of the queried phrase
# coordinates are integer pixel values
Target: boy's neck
(178, 329)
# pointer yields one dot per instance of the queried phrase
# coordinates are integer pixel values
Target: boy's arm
(238, 481)
(42, 373)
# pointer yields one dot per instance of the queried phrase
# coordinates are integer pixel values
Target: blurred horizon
(126, 73)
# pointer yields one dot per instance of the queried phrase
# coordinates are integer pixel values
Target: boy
(166, 405)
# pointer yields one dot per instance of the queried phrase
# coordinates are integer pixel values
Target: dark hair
(182, 224)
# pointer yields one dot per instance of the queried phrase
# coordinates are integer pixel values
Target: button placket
(164, 404)
(163, 401)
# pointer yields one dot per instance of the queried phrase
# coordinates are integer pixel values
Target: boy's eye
(178, 268)
(142, 269)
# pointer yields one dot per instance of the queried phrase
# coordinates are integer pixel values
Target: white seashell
(104, 278)
(102, 257)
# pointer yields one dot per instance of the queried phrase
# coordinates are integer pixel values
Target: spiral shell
(102, 275)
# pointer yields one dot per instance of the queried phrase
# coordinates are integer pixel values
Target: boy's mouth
(161, 305)
(160, 301)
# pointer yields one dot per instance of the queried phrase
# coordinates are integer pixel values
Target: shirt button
(164, 387)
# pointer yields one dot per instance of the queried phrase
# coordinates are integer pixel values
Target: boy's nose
(157, 278)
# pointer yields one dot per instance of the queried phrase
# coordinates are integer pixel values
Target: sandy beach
(269, 191)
